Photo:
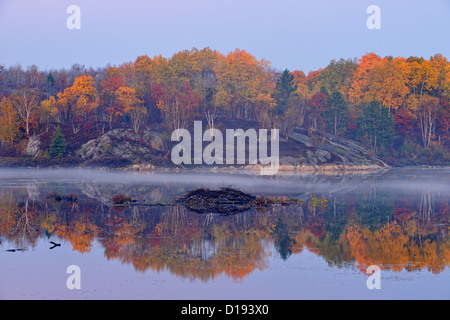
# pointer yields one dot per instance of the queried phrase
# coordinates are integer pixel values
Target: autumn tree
(148, 70)
(77, 101)
(240, 79)
(26, 101)
(178, 107)
(265, 111)
(358, 93)
(313, 80)
(442, 67)
(61, 81)
(9, 124)
(380, 79)
(156, 94)
(46, 110)
(317, 105)
(109, 107)
(443, 126)
(338, 76)
(423, 77)
(405, 122)
(293, 116)
(130, 104)
(199, 69)
(391, 83)
(427, 116)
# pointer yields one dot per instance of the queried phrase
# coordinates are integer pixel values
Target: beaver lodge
(224, 201)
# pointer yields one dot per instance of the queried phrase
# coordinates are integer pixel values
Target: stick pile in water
(224, 201)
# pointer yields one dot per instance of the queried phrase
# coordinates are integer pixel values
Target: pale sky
(293, 34)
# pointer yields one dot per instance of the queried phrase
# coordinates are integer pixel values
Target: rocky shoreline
(123, 149)
(257, 168)
(150, 151)
(148, 167)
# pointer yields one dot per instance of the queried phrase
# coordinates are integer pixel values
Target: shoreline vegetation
(123, 149)
(354, 114)
(116, 150)
(126, 165)
(27, 163)
(287, 164)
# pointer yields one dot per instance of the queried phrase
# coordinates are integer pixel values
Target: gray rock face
(123, 143)
(330, 150)
(301, 137)
(33, 146)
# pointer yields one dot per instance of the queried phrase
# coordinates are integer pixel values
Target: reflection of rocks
(122, 143)
(33, 191)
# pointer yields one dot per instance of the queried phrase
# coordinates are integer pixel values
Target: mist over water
(403, 181)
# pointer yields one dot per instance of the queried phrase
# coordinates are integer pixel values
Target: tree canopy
(168, 93)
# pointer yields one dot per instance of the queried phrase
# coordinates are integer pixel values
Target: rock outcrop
(123, 144)
(147, 150)
(323, 152)
(33, 146)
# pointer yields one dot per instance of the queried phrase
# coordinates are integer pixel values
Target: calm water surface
(397, 220)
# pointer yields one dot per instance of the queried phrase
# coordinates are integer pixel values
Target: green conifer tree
(58, 146)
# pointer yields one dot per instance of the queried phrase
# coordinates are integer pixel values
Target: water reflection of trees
(19, 220)
(409, 233)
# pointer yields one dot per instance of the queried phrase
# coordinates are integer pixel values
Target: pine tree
(284, 88)
(336, 113)
(58, 146)
(50, 80)
(376, 125)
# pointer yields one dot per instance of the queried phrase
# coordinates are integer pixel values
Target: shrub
(437, 151)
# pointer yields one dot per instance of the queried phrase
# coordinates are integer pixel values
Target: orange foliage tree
(9, 123)
(77, 101)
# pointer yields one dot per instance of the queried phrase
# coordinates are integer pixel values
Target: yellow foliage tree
(241, 79)
(130, 104)
(9, 123)
(46, 110)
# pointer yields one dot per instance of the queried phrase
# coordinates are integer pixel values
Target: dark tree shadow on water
(282, 240)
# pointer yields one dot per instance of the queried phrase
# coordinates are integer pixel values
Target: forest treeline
(397, 107)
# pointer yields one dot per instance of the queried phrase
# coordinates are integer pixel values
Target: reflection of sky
(290, 33)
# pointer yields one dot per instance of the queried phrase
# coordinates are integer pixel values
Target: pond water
(396, 220)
